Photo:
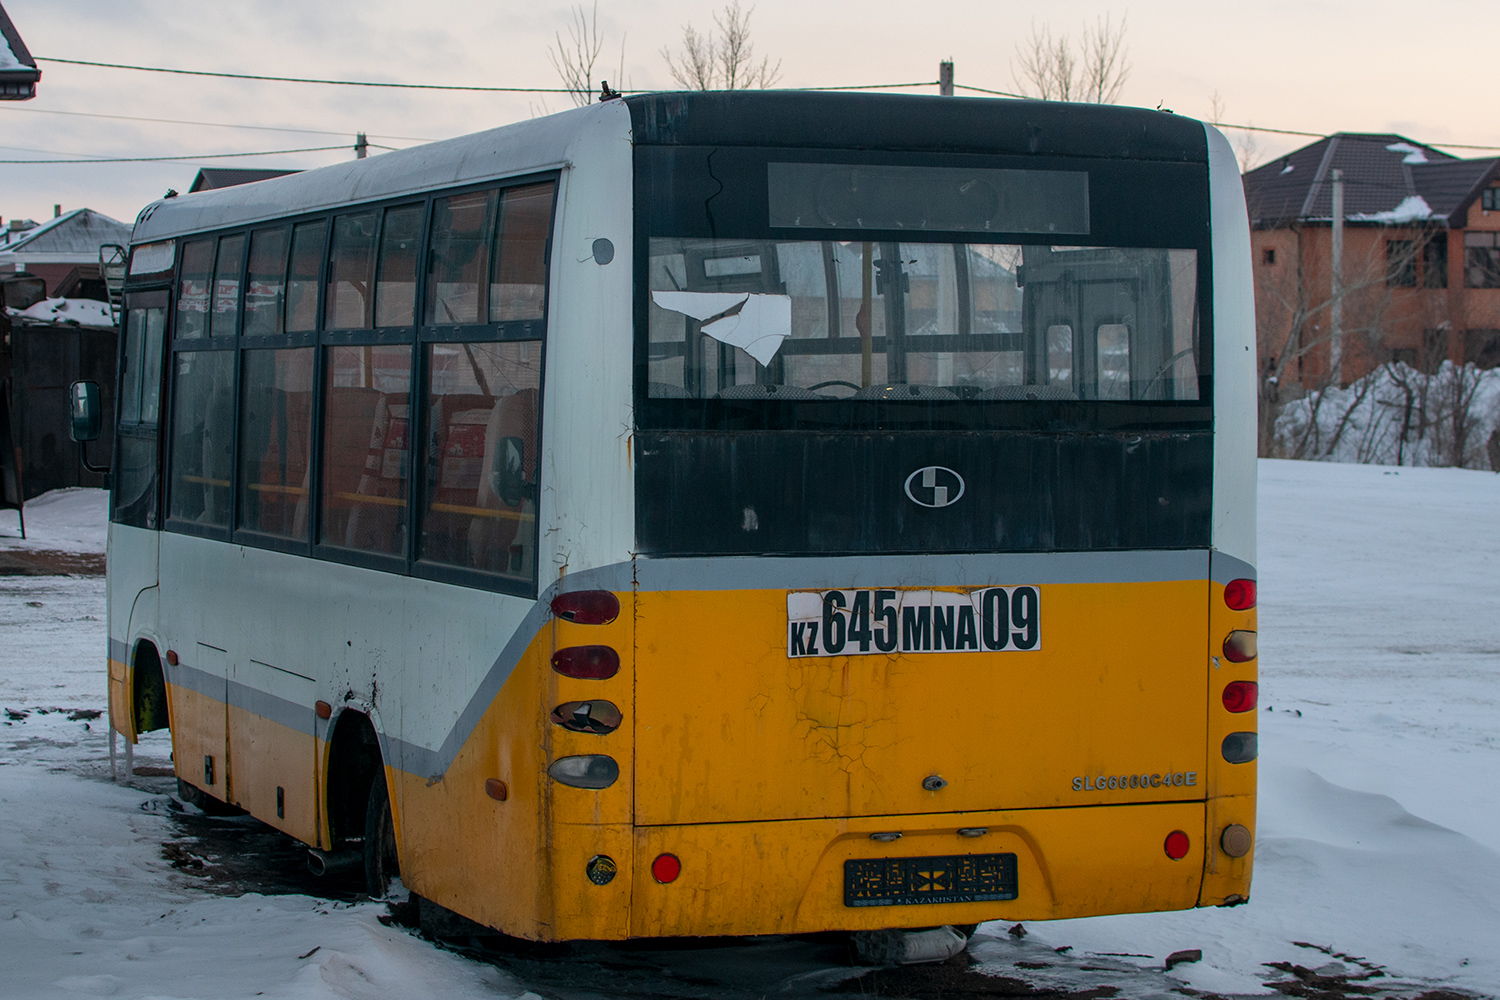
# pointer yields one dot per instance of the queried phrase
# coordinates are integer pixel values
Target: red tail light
(1239, 646)
(1241, 696)
(587, 607)
(589, 663)
(666, 868)
(1177, 845)
(1240, 594)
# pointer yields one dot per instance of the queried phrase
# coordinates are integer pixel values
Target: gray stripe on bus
(1224, 567)
(773, 573)
(268, 706)
(119, 651)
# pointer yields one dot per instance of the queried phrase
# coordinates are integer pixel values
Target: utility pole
(1336, 309)
(361, 146)
(945, 78)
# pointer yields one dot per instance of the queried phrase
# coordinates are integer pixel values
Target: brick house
(1421, 259)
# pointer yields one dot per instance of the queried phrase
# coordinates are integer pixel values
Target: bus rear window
(920, 322)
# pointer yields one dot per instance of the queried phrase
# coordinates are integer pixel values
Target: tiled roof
(1387, 178)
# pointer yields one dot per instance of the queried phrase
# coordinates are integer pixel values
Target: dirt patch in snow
(50, 562)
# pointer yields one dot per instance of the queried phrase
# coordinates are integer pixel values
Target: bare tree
(575, 59)
(1048, 67)
(1292, 317)
(722, 61)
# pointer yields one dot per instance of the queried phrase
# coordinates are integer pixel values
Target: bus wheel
(382, 869)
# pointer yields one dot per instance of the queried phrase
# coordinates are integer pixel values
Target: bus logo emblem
(934, 486)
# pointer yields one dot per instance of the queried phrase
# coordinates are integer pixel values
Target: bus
(705, 514)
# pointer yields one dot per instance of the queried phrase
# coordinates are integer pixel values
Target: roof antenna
(605, 93)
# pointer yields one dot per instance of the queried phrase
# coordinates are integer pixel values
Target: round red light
(1241, 696)
(1177, 845)
(666, 868)
(1240, 594)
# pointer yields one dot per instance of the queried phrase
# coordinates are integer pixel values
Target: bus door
(134, 530)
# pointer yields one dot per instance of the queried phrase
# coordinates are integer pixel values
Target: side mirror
(83, 406)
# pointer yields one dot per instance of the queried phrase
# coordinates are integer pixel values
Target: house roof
(210, 178)
(18, 72)
(1388, 178)
(72, 238)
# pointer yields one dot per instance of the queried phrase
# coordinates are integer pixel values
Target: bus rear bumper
(789, 876)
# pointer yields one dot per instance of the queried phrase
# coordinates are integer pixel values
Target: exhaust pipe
(333, 862)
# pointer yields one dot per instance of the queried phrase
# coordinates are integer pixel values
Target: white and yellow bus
(710, 514)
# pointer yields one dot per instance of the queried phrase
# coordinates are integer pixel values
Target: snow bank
(73, 519)
(1398, 416)
(1379, 830)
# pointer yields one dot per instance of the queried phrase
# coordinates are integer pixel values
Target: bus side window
(519, 278)
(302, 278)
(365, 431)
(266, 282)
(226, 305)
(481, 460)
(351, 272)
(275, 440)
(192, 290)
(396, 285)
(135, 479)
(202, 446)
(458, 258)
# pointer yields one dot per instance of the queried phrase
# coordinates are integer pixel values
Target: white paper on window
(753, 322)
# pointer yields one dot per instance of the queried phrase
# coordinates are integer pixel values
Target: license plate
(958, 878)
(888, 622)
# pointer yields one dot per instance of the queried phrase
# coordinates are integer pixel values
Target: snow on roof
(8, 58)
(65, 312)
(1413, 154)
(1412, 208)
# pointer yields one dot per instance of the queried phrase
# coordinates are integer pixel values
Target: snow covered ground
(1379, 819)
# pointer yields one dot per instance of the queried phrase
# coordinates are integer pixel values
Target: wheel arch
(354, 763)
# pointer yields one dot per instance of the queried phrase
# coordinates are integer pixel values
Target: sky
(1308, 65)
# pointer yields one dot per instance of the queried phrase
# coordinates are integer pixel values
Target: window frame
(417, 337)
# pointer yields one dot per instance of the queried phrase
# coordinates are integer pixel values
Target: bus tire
(382, 867)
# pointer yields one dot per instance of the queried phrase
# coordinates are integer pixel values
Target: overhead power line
(84, 158)
(178, 121)
(303, 79)
(557, 90)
